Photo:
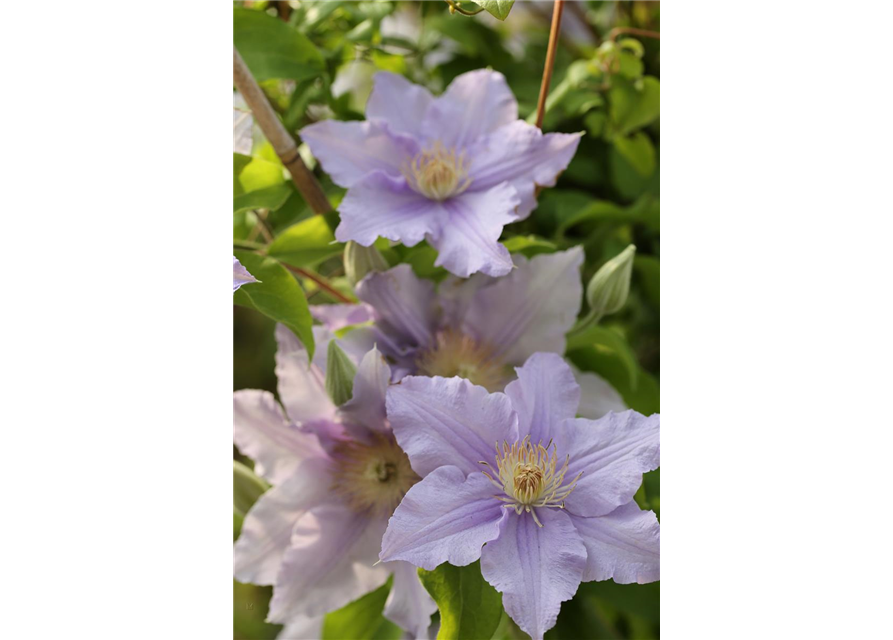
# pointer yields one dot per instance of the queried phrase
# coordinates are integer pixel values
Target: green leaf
(362, 619)
(607, 344)
(499, 9)
(254, 173)
(469, 607)
(596, 210)
(421, 258)
(530, 245)
(634, 105)
(269, 198)
(340, 372)
(648, 270)
(247, 487)
(306, 243)
(638, 151)
(273, 48)
(277, 296)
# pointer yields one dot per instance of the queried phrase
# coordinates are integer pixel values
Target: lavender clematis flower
(454, 169)
(553, 508)
(241, 275)
(337, 475)
(477, 328)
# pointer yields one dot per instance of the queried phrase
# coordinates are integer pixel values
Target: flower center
(456, 354)
(530, 477)
(372, 476)
(438, 172)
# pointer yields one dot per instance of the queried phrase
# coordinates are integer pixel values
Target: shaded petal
(379, 205)
(403, 307)
(612, 453)
(266, 532)
(408, 605)
(302, 628)
(468, 240)
(623, 545)
(262, 433)
(338, 316)
(349, 151)
(535, 568)
(523, 156)
(398, 102)
(240, 275)
(474, 104)
(444, 518)
(544, 395)
(597, 396)
(329, 563)
(449, 421)
(365, 411)
(531, 309)
(302, 386)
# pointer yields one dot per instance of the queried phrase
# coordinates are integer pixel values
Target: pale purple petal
(468, 240)
(623, 545)
(403, 306)
(349, 151)
(382, 206)
(443, 518)
(449, 421)
(535, 568)
(474, 104)
(337, 316)
(531, 309)
(262, 433)
(302, 628)
(597, 396)
(266, 532)
(399, 102)
(302, 387)
(329, 563)
(523, 156)
(365, 411)
(408, 605)
(240, 275)
(544, 395)
(612, 453)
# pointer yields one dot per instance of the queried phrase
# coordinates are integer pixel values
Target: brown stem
(550, 61)
(633, 31)
(321, 283)
(282, 142)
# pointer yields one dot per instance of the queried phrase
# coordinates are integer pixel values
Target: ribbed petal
(399, 103)
(365, 411)
(544, 395)
(302, 387)
(241, 275)
(408, 605)
(302, 628)
(338, 316)
(597, 396)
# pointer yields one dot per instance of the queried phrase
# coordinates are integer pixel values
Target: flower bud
(340, 372)
(609, 287)
(360, 260)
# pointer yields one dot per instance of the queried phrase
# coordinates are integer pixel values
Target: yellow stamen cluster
(438, 173)
(456, 354)
(530, 477)
(372, 476)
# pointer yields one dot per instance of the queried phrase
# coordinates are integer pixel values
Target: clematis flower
(337, 475)
(454, 169)
(551, 506)
(241, 275)
(477, 328)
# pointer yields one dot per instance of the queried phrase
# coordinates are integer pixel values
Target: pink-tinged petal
(349, 151)
(623, 545)
(474, 104)
(449, 421)
(337, 316)
(523, 156)
(544, 395)
(468, 240)
(365, 411)
(408, 605)
(240, 275)
(535, 568)
(399, 103)
(531, 309)
(597, 396)
(329, 563)
(302, 628)
(262, 433)
(266, 532)
(382, 206)
(302, 386)
(444, 518)
(403, 307)
(612, 453)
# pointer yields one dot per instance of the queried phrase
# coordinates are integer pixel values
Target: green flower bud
(360, 260)
(340, 372)
(609, 287)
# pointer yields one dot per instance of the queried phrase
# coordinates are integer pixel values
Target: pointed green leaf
(499, 9)
(273, 48)
(469, 606)
(306, 243)
(607, 344)
(340, 372)
(362, 619)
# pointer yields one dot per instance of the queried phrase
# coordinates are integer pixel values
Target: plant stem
(283, 143)
(633, 31)
(321, 282)
(550, 61)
